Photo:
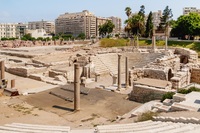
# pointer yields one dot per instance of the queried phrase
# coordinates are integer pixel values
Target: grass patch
(107, 42)
(146, 116)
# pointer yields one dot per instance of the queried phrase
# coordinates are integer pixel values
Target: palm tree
(128, 11)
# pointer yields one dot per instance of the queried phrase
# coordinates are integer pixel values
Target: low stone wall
(142, 93)
(26, 71)
(195, 75)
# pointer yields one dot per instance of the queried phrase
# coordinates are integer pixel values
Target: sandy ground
(97, 108)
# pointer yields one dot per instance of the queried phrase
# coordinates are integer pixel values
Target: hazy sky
(36, 10)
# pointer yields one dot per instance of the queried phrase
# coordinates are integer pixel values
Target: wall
(195, 75)
(142, 93)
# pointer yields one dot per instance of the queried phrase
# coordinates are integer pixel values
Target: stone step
(136, 128)
(183, 128)
(39, 127)
(26, 130)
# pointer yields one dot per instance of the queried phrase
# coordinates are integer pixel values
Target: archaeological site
(80, 87)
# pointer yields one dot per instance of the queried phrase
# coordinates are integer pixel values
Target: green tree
(165, 19)
(28, 37)
(128, 11)
(187, 25)
(149, 25)
(81, 36)
(106, 28)
(142, 11)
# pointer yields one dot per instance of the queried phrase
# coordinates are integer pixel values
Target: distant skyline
(15, 11)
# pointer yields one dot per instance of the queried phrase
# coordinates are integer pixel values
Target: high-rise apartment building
(118, 24)
(187, 10)
(48, 26)
(156, 18)
(8, 30)
(76, 23)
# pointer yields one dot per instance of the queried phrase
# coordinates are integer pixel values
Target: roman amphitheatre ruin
(79, 87)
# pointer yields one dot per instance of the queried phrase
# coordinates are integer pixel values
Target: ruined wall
(155, 74)
(181, 79)
(25, 71)
(190, 54)
(142, 93)
(195, 75)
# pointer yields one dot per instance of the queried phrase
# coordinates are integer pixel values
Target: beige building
(76, 23)
(187, 10)
(156, 18)
(8, 30)
(48, 26)
(118, 24)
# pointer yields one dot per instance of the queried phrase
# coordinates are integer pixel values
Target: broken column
(76, 87)
(114, 79)
(12, 83)
(119, 72)
(2, 70)
(127, 73)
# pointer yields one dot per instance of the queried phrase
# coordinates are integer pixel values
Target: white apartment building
(76, 23)
(187, 10)
(156, 18)
(48, 26)
(38, 33)
(8, 30)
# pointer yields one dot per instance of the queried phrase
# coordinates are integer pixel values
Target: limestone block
(60, 78)
(178, 97)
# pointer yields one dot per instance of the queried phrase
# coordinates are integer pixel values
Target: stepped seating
(100, 68)
(148, 127)
(31, 128)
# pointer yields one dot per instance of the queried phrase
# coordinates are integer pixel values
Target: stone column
(2, 70)
(119, 72)
(153, 43)
(127, 73)
(137, 43)
(76, 87)
(166, 42)
(12, 83)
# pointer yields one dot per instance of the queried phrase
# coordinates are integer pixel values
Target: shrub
(146, 116)
(168, 95)
(186, 91)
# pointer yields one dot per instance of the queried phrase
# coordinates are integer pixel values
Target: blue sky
(35, 10)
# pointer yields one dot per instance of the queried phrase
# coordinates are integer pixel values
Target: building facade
(76, 23)
(48, 26)
(38, 33)
(8, 30)
(21, 29)
(118, 24)
(187, 10)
